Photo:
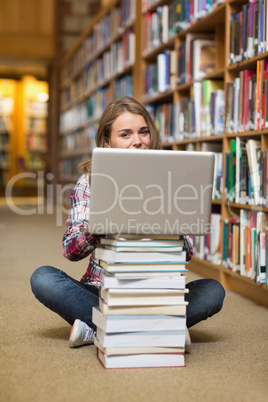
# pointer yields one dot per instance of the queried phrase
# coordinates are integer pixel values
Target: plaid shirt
(78, 244)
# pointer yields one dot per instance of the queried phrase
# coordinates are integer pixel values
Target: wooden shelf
(246, 206)
(208, 22)
(249, 134)
(151, 54)
(247, 64)
(231, 280)
(154, 6)
(159, 97)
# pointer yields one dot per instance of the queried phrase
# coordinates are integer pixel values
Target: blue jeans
(72, 299)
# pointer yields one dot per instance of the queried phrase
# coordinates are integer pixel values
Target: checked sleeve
(189, 244)
(76, 244)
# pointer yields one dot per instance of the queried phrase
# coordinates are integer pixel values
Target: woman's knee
(219, 291)
(42, 278)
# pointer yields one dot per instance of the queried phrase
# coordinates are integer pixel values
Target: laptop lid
(150, 192)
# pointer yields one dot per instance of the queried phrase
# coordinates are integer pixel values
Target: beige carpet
(228, 361)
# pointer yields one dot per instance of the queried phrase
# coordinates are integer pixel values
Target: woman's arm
(189, 244)
(76, 244)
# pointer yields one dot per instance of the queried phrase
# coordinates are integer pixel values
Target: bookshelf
(30, 147)
(100, 67)
(177, 89)
(35, 128)
(23, 133)
(7, 93)
(6, 128)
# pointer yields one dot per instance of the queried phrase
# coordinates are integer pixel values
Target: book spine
(250, 44)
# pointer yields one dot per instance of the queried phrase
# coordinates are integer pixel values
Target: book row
(114, 61)
(161, 25)
(86, 111)
(248, 31)
(247, 100)
(4, 176)
(198, 115)
(185, 12)
(196, 57)
(6, 124)
(246, 175)
(36, 143)
(79, 142)
(4, 159)
(6, 105)
(104, 33)
(32, 162)
(36, 108)
(141, 319)
(202, 113)
(239, 244)
(209, 247)
(245, 242)
(195, 60)
(68, 168)
(160, 76)
(35, 124)
(112, 24)
(4, 140)
(94, 105)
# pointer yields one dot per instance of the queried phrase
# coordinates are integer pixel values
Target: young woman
(125, 123)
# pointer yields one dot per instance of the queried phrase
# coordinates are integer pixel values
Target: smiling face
(129, 130)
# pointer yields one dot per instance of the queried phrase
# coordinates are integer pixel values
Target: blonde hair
(110, 114)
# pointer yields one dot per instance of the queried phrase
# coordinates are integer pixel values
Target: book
(113, 256)
(134, 323)
(261, 260)
(242, 250)
(139, 282)
(141, 338)
(137, 350)
(143, 310)
(142, 297)
(253, 153)
(204, 57)
(143, 242)
(190, 56)
(208, 88)
(146, 275)
(141, 360)
(215, 243)
(142, 267)
(143, 248)
(150, 237)
(162, 71)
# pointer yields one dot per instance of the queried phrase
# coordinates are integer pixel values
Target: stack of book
(141, 318)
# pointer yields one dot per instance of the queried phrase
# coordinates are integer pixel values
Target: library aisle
(228, 359)
(23, 134)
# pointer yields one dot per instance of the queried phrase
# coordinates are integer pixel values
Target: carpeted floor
(228, 360)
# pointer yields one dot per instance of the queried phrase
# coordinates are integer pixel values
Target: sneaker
(81, 334)
(188, 342)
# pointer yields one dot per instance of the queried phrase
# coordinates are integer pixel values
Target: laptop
(150, 192)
